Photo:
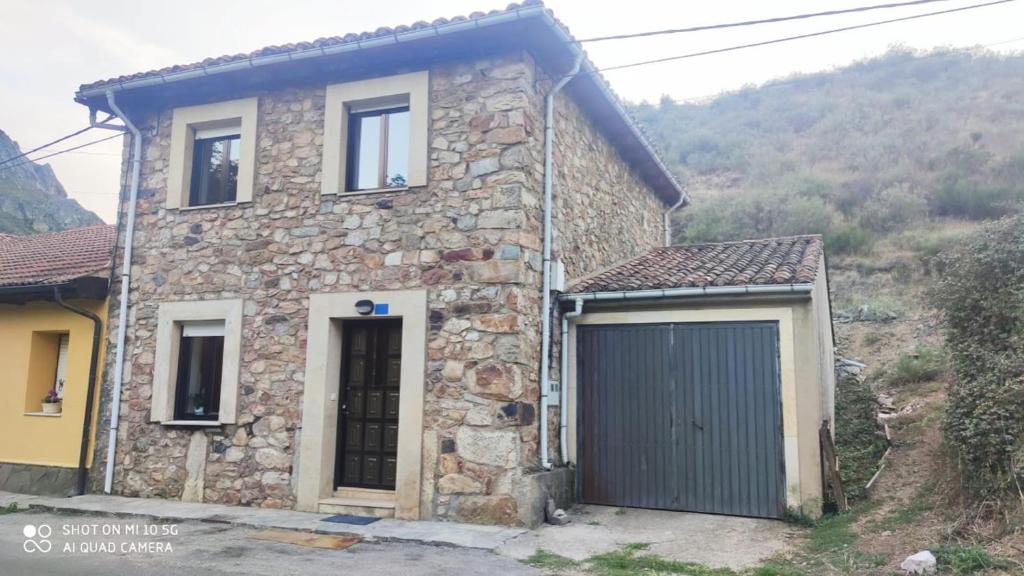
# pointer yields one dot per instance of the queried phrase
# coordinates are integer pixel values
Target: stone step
(357, 507)
(365, 494)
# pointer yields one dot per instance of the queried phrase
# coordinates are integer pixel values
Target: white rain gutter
(563, 386)
(545, 307)
(126, 269)
(707, 291)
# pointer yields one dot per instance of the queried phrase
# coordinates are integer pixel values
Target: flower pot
(51, 407)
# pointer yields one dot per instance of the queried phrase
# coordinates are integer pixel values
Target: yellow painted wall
(45, 440)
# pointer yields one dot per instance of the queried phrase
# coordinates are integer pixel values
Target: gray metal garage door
(681, 417)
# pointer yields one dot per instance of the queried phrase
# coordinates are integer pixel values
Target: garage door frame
(787, 370)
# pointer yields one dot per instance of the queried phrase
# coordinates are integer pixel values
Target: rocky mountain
(32, 199)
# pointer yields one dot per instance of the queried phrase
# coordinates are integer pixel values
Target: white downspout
(545, 308)
(668, 218)
(126, 269)
(563, 407)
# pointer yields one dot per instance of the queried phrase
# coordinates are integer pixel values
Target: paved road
(212, 550)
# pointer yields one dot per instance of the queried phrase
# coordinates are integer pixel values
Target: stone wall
(472, 237)
(604, 212)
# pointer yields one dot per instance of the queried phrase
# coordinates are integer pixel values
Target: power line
(801, 77)
(59, 152)
(799, 37)
(756, 22)
(47, 145)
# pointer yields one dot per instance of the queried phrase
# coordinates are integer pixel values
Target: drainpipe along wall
(126, 268)
(549, 178)
(563, 428)
(97, 335)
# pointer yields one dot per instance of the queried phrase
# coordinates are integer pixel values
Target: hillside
(856, 153)
(32, 199)
(896, 160)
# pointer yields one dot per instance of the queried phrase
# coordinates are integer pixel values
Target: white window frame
(200, 316)
(363, 95)
(205, 121)
(63, 343)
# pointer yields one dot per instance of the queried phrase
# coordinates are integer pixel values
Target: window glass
(398, 150)
(62, 365)
(214, 170)
(367, 141)
(200, 359)
(378, 145)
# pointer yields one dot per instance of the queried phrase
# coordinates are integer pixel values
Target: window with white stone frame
(213, 154)
(375, 134)
(195, 378)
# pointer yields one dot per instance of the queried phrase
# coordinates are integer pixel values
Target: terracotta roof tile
(57, 257)
(792, 260)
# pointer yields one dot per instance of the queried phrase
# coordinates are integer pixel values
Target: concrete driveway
(216, 550)
(711, 540)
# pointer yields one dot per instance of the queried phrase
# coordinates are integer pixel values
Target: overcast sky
(52, 46)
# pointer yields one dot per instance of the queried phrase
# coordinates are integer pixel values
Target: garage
(699, 378)
(684, 416)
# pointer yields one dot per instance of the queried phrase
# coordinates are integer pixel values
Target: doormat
(350, 519)
(308, 539)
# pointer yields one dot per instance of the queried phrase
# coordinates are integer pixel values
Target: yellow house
(53, 309)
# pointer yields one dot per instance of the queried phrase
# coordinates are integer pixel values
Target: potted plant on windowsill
(51, 402)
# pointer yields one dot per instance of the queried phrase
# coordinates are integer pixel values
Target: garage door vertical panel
(623, 371)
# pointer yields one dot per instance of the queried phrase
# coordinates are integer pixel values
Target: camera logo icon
(37, 538)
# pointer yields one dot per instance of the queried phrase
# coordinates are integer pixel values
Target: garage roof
(55, 258)
(770, 261)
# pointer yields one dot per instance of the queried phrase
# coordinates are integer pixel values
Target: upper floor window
(213, 154)
(378, 149)
(375, 134)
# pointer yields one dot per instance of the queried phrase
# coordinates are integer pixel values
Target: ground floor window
(200, 364)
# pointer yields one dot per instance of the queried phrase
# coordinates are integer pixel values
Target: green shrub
(846, 239)
(967, 560)
(964, 198)
(860, 439)
(982, 303)
(893, 209)
(923, 365)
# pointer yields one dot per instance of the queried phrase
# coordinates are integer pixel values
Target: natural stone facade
(472, 237)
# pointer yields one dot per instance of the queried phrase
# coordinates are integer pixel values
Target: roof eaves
(538, 10)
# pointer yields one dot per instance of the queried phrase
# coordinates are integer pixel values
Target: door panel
(368, 420)
(681, 417)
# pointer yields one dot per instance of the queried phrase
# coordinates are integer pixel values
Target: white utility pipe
(563, 408)
(545, 307)
(668, 218)
(126, 273)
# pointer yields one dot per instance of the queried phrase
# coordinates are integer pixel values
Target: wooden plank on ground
(308, 539)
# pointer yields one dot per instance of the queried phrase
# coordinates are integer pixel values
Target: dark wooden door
(681, 417)
(368, 419)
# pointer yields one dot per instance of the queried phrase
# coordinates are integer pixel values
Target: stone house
(336, 267)
(335, 257)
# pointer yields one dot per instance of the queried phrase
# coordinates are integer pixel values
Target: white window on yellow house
(62, 366)
(47, 368)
